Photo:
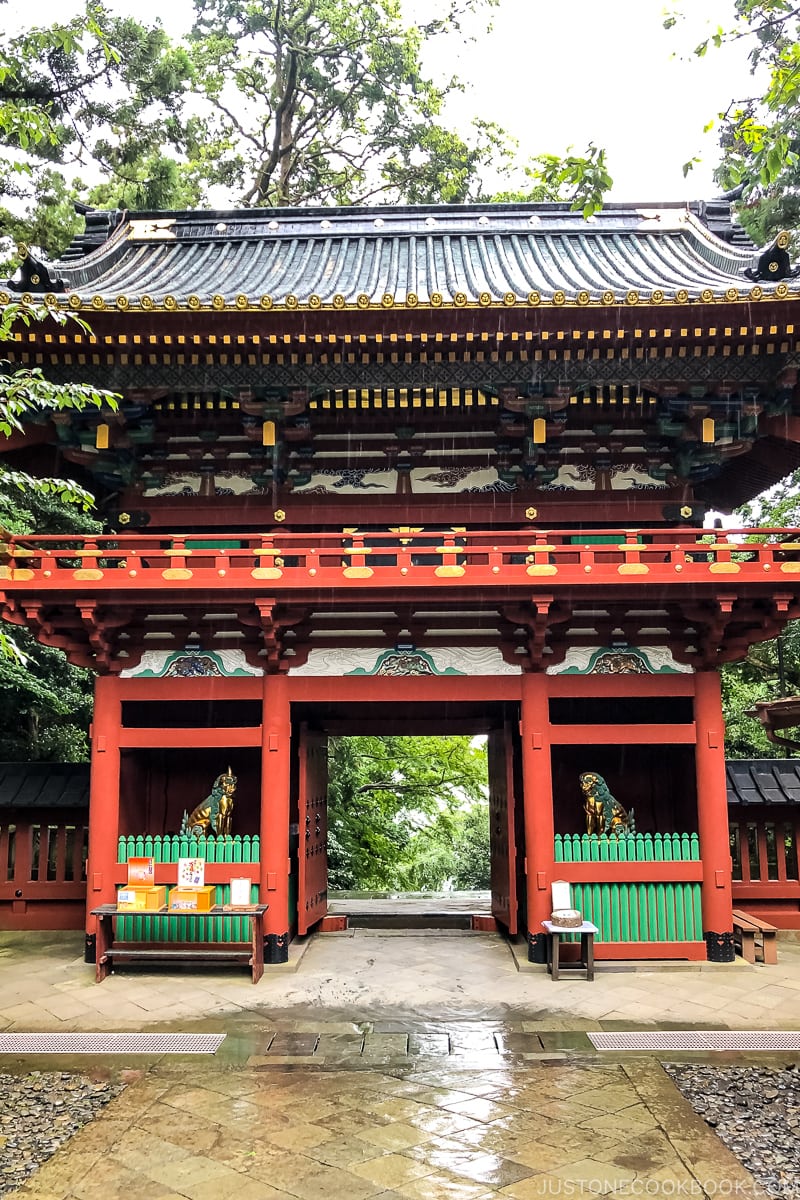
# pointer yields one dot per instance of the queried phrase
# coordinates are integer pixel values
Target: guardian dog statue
(214, 815)
(604, 814)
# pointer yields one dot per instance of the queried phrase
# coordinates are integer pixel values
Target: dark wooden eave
(760, 781)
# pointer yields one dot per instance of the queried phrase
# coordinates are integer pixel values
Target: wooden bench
(755, 940)
(207, 952)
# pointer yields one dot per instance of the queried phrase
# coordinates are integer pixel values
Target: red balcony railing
(313, 560)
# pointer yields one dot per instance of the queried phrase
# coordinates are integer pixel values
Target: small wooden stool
(554, 932)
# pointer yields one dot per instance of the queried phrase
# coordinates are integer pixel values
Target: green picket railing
(632, 847)
(636, 912)
(150, 927)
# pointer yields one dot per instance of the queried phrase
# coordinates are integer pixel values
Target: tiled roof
(763, 781)
(44, 785)
(451, 255)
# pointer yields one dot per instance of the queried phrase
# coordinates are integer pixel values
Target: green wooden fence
(145, 927)
(636, 912)
(636, 847)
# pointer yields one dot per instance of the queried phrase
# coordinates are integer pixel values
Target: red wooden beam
(208, 688)
(616, 951)
(191, 737)
(626, 735)
(44, 890)
(610, 685)
(372, 689)
(629, 872)
(774, 889)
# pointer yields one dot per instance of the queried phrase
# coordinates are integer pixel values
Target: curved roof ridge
(260, 257)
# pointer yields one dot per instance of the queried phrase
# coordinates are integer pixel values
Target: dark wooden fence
(43, 868)
(764, 852)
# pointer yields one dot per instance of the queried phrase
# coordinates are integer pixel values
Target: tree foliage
(25, 394)
(99, 88)
(758, 133)
(292, 102)
(328, 103)
(407, 813)
(45, 703)
(770, 670)
(580, 179)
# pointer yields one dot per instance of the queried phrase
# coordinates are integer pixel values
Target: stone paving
(188, 1130)
(44, 984)
(385, 1067)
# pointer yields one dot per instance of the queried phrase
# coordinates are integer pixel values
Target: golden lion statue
(604, 814)
(214, 815)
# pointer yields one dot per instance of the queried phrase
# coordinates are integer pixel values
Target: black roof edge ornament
(34, 275)
(99, 224)
(773, 263)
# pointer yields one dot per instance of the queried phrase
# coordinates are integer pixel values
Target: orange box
(141, 872)
(200, 899)
(141, 899)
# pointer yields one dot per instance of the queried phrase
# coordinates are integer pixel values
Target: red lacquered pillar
(712, 818)
(537, 779)
(103, 803)
(275, 773)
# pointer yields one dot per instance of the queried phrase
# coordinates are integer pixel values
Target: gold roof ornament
(159, 230)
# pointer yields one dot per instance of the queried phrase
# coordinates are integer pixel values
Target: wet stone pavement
(466, 1127)
(416, 1068)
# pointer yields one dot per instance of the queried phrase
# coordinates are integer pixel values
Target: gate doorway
(440, 836)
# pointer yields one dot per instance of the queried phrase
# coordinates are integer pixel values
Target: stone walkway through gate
(381, 1066)
(425, 974)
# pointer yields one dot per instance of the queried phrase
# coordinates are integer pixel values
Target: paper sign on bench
(240, 893)
(191, 872)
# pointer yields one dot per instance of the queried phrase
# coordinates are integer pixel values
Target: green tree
(45, 703)
(758, 133)
(27, 121)
(101, 89)
(25, 395)
(580, 179)
(453, 850)
(394, 809)
(293, 102)
(769, 670)
(473, 863)
(327, 103)
(758, 677)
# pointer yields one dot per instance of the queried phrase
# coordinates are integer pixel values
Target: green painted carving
(628, 660)
(191, 664)
(404, 662)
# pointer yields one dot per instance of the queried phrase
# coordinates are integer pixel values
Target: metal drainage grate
(110, 1043)
(704, 1039)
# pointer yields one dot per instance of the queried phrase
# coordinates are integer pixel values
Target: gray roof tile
(326, 253)
(763, 781)
(44, 785)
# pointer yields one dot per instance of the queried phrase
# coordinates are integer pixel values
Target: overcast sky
(557, 73)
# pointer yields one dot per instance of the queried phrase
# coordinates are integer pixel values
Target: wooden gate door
(312, 856)
(502, 837)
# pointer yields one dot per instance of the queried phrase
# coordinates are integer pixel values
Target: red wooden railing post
(103, 802)
(538, 807)
(712, 817)
(275, 775)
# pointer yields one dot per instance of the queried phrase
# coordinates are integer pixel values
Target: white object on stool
(566, 918)
(560, 893)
